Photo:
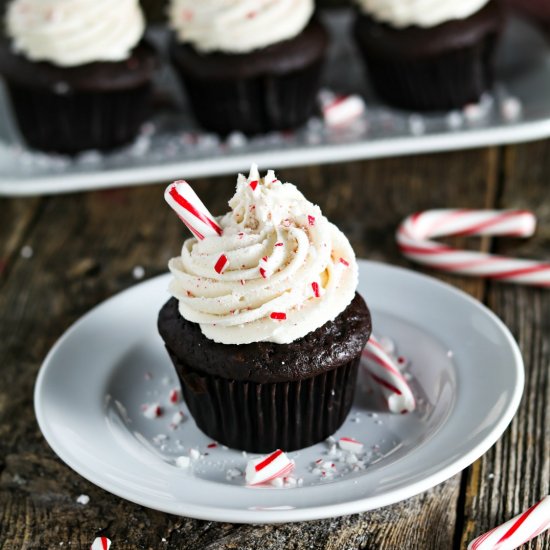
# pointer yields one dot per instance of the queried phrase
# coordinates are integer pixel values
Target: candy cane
(266, 468)
(385, 373)
(413, 239)
(350, 444)
(191, 210)
(518, 530)
(101, 543)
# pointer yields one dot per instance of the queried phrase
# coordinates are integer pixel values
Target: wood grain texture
(86, 246)
(515, 473)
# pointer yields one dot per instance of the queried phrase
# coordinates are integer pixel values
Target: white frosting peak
(75, 32)
(422, 13)
(288, 272)
(238, 26)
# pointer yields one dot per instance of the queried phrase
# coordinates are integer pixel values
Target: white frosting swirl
(422, 13)
(310, 272)
(238, 26)
(75, 32)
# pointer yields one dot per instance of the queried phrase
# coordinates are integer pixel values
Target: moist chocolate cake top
(331, 345)
(99, 76)
(280, 58)
(411, 42)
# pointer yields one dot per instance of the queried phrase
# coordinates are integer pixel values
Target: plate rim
(234, 515)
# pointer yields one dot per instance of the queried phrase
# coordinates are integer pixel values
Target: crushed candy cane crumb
(174, 396)
(278, 316)
(350, 444)
(152, 410)
(83, 499)
(221, 264)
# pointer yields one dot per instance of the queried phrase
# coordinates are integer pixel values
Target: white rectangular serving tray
(172, 147)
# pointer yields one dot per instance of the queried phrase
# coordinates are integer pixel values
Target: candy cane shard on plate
(516, 531)
(264, 469)
(415, 233)
(386, 375)
(350, 444)
(191, 210)
(339, 110)
(101, 543)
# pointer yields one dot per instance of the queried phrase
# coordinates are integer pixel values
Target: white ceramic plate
(173, 148)
(466, 370)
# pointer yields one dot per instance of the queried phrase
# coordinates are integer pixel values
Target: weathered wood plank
(85, 249)
(16, 217)
(516, 471)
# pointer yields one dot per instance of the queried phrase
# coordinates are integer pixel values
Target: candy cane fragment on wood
(101, 543)
(415, 234)
(516, 531)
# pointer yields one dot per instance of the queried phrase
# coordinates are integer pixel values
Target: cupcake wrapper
(447, 81)
(254, 105)
(71, 122)
(259, 418)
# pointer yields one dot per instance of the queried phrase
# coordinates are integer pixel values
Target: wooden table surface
(84, 248)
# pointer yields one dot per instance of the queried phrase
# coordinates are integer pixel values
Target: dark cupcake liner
(259, 417)
(75, 121)
(446, 81)
(254, 105)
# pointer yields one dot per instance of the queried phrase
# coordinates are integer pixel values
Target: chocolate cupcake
(429, 55)
(248, 66)
(267, 349)
(78, 74)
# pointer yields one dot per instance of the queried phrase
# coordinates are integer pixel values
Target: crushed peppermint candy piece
(311, 220)
(194, 454)
(83, 499)
(264, 469)
(253, 184)
(183, 462)
(350, 444)
(277, 482)
(339, 110)
(511, 108)
(279, 244)
(152, 410)
(316, 291)
(101, 543)
(221, 264)
(278, 316)
(177, 419)
(212, 445)
(290, 481)
(344, 262)
(174, 396)
(265, 270)
(232, 473)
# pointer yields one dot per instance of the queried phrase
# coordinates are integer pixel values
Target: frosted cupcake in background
(77, 71)
(248, 65)
(429, 54)
(264, 327)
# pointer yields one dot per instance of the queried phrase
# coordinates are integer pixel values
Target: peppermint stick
(191, 210)
(415, 233)
(516, 531)
(385, 373)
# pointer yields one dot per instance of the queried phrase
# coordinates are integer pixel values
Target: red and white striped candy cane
(101, 543)
(385, 373)
(191, 210)
(415, 233)
(518, 530)
(264, 469)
